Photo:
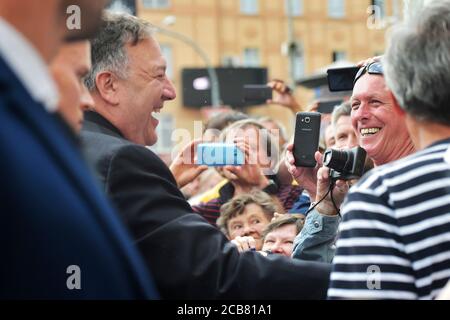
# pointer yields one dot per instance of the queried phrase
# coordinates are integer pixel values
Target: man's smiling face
(144, 91)
(378, 128)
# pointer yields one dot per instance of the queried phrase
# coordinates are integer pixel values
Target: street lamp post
(215, 91)
(292, 47)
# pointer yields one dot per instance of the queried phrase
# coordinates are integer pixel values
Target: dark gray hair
(417, 63)
(344, 109)
(296, 219)
(108, 47)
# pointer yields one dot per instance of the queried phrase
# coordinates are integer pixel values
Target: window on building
(155, 4)
(339, 56)
(299, 63)
(294, 8)
(250, 7)
(166, 50)
(336, 8)
(381, 5)
(231, 61)
(251, 57)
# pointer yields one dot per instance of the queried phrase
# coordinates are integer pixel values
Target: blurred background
(214, 46)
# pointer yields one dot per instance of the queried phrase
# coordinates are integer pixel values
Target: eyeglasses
(371, 68)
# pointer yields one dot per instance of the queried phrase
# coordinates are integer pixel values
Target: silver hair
(344, 109)
(417, 63)
(108, 47)
(268, 141)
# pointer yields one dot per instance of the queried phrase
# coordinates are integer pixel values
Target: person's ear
(396, 106)
(107, 87)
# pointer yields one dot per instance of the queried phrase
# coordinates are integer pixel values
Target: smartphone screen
(341, 79)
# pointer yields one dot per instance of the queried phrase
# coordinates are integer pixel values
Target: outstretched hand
(184, 167)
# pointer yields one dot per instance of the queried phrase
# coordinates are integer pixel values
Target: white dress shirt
(28, 65)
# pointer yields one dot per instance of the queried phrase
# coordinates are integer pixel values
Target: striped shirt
(394, 240)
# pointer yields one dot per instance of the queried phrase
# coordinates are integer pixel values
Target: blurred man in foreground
(70, 66)
(61, 238)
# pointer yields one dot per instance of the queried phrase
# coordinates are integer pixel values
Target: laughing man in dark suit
(188, 257)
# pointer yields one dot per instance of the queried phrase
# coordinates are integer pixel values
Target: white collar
(28, 65)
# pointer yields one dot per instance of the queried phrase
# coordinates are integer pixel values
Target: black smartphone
(341, 79)
(328, 106)
(306, 138)
(257, 93)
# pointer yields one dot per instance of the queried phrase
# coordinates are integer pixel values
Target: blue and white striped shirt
(394, 240)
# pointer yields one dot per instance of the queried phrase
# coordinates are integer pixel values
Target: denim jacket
(316, 241)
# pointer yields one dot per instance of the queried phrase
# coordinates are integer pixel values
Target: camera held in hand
(345, 164)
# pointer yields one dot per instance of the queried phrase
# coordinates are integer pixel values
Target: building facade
(248, 33)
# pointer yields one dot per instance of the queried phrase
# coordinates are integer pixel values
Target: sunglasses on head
(371, 68)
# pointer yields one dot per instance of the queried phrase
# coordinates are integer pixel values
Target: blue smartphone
(219, 154)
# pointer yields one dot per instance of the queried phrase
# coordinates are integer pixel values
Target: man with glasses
(316, 241)
(381, 131)
(395, 234)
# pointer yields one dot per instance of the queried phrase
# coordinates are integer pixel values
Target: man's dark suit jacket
(189, 258)
(53, 214)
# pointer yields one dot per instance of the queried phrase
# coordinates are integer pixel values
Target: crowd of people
(83, 189)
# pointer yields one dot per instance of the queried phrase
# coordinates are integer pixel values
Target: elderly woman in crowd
(246, 216)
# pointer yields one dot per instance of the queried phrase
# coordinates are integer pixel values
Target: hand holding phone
(306, 138)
